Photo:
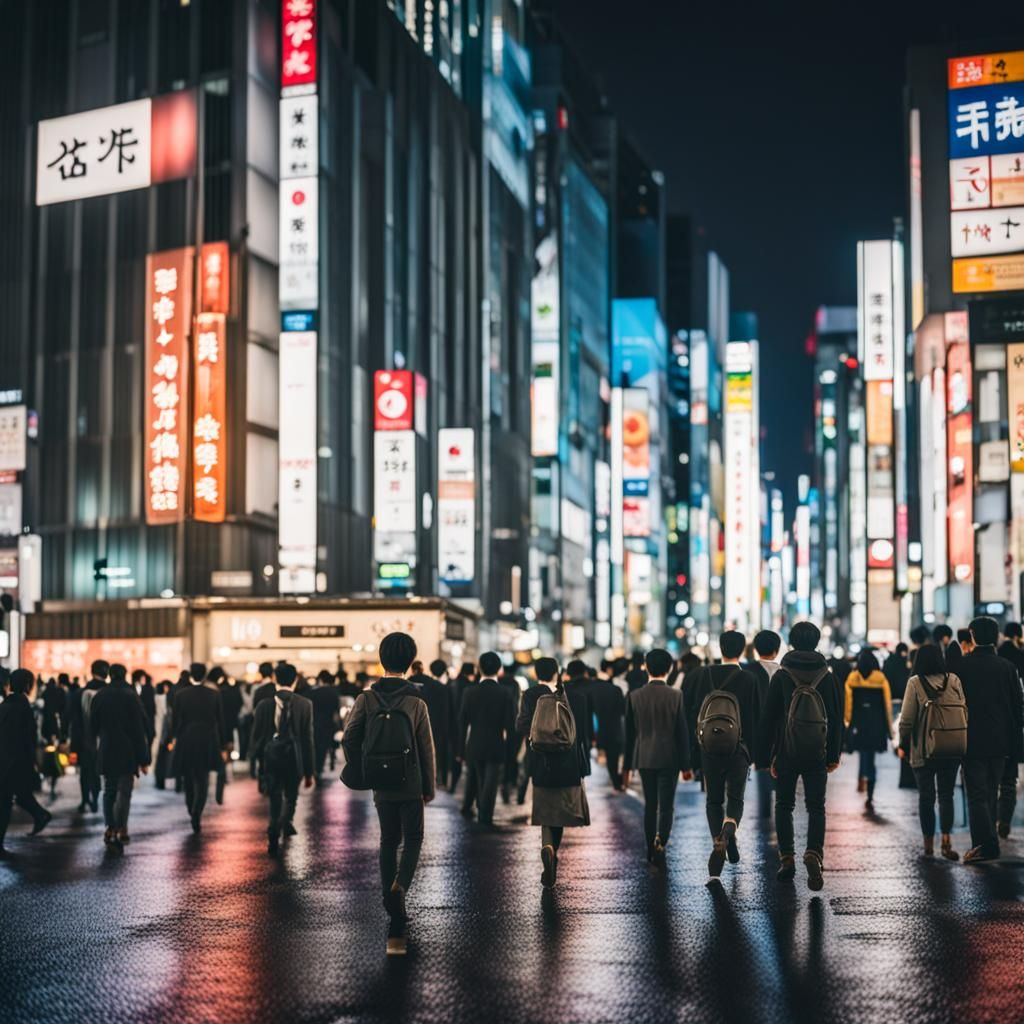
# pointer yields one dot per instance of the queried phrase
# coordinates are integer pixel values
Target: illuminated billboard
(960, 463)
(456, 505)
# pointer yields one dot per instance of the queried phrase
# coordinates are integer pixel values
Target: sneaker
(787, 868)
(717, 859)
(547, 857)
(397, 908)
(815, 880)
(1003, 829)
(41, 822)
(731, 849)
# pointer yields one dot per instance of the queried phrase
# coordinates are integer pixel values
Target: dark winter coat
(199, 733)
(487, 721)
(609, 706)
(994, 705)
(441, 709)
(263, 730)
(17, 742)
(119, 723)
(735, 680)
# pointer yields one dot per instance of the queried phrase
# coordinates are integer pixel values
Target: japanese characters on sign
(12, 438)
(209, 424)
(213, 280)
(1015, 404)
(168, 308)
(456, 505)
(960, 468)
(394, 481)
(876, 330)
(298, 43)
(299, 156)
(985, 120)
(987, 232)
(990, 69)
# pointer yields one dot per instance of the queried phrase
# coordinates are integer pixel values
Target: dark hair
(139, 673)
(545, 669)
(100, 669)
(929, 661)
(689, 662)
(468, 670)
(324, 678)
(576, 669)
(266, 669)
(920, 635)
(985, 631)
(867, 662)
(804, 636)
(659, 663)
(216, 674)
(638, 659)
(942, 632)
(21, 680)
(397, 652)
(438, 668)
(620, 666)
(285, 673)
(118, 673)
(197, 670)
(767, 643)
(963, 636)
(902, 648)
(732, 643)
(490, 664)
(1013, 631)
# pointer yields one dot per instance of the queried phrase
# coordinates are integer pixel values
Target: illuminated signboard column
(1015, 400)
(616, 545)
(298, 296)
(456, 506)
(960, 464)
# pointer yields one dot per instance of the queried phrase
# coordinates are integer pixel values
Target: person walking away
(509, 682)
(636, 676)
(488, 718)
(437, 695)
(993, 694)
(867, 716)
(83, 744)
(387, 720)
(767, 645)
(464, 681)
(933, 737)
(199, 740)
(1012, 649)
(609, 707)
(326, 703)
(897, 671)
(123, 751)
(18, 738)
(143, 686)
(284, 738)
(658, 746)
(801, 737)
(551, 720)
(161, 763)
(724, 717)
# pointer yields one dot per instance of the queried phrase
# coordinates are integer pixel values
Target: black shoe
(812, 861)
(42, 821)
(290, 830)
(547, 858)
(659, 851)
(717, 859)
(115, 844)
(1003, 829)
(729, 835)
(197, 825)
(979, 854)
(466, 812)
(787, 868)
(94, 805)
(219, 792)
(273, 845)
(397, 908)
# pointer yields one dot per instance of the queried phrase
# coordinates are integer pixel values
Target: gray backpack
(553, 728)
(944, 723)
(719, 721)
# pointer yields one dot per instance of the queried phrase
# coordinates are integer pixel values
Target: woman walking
(553, 721)
(868, 718)
(932, 684)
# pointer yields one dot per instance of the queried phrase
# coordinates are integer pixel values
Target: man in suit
(994, 714)
(199, 740)
(18, 755)
(510, 772)
(658, 745)
(487, 721)
(326, 704)
(609, 707)
(283, 741)
(83, 742)
(437, 695)
(263, 690)
(464, 681)
(1012, 649)
(123, 738)
(143, 686)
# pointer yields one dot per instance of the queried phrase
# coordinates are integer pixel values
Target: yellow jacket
(875, 681)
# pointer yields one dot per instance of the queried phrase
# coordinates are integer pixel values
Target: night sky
(783, 138)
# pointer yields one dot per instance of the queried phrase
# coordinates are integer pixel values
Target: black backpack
(279, 753)
(719, 728)
(389, 746)
(806, 733)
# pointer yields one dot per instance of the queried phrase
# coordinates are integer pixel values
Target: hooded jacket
(798, 667)
(867, 711)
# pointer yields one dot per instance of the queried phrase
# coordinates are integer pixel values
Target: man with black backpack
(801, 736)
(282, 741)
(387, 736)
(724, 716)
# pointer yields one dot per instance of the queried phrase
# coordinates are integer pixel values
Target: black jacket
(657, 736)
(263, 691)
(736, 680)
(230, 705)
(440, 707)
(580, 689)
(994, 712)
(119, 724)
(17, 742)
(898, 674)
(301, 729)
(326, 702)
(608, 703)
(803, 667)
(487, 721)
(198, 730)
(556, 771)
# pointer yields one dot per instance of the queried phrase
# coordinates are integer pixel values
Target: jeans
(725, 780)
(284, 794)
(24, 798)
(117, 801)
(659, 801)
(401, 822)
(981, 780)
(927, 777)
(482, 787)
(197, 788)
(1007, 793)
(815, 783)
(551, 836)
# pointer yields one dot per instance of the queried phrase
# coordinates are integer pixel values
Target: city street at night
(210, 930)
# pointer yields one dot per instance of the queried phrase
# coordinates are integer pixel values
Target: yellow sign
(989, 274)
(739, 392)
(986, 69)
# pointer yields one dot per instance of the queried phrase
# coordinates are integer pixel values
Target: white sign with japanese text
(456, 504)
(876, 335)
(299, 221)
(970, 186)
(12, 438)
(394, 481)
(299, 136)
(987, 232)
(94, 153)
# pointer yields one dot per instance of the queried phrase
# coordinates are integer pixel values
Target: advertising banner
(970, 183)
(960, 469)
(876, 333)
(544, 399)
(456, 505)
(169, 277)
(394, 406)
(298, 43)
(545, 315)
(636, 462)
(299, 221)
(1015, 404)
(1007, 179)
(299, 152)
(987, 232)
(742, 518)
(394, 481)
(12, 438)
(209, 425)
(988, 69)
(997, 274)
(215, 296)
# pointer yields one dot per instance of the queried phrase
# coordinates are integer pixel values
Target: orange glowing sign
(986, 69)
(209, 424)
(161, 657)
(213, 279)
(988, 274)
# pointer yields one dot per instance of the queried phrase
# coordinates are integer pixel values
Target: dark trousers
(725, 781)
(930, 777)
(197, 789)
(1007, 793)
(284, 794)
(24, 798)
(321, 748)
(510, 775)
(524, 776)
(765, 788)
(456, 773)
(868, 770)
(401, 823)
(659, 802)
(815, 783)
(613, 760)
(442, 762)
(117, 801)
(551, 835)
(88, 777)
(981, 780)
(482, 787)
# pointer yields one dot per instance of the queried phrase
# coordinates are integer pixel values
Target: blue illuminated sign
(298, 321)
(986, 119)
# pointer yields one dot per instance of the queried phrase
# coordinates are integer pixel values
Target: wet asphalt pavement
(208, 929)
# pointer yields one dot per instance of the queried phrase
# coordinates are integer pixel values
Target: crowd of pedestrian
(950, 704)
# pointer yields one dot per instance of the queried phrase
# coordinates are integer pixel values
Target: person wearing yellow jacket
(868, 718)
